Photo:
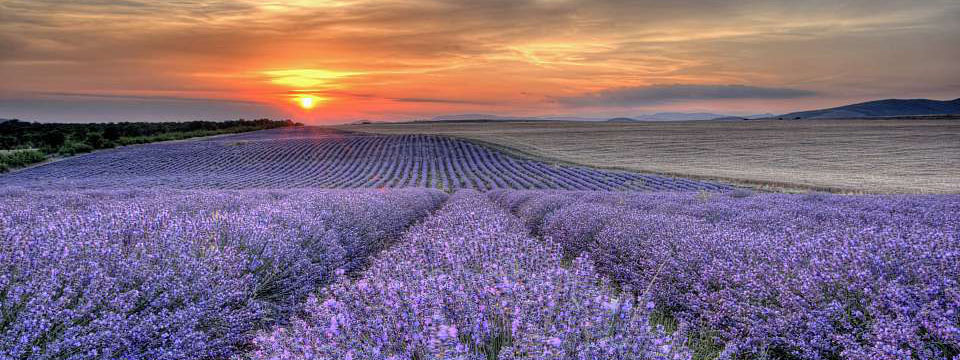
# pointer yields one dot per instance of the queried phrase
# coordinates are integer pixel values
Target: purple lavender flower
(176, 274)
(782, 276)
(469, 283)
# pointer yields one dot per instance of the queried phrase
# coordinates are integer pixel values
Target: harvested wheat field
(869, 156)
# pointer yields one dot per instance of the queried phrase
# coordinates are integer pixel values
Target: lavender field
(310, 157)
(130, 274)
(774, 276)
(309, 243)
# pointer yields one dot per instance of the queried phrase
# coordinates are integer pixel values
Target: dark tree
(53, 139)
(96, 140)
(112, 132)
(8, 142)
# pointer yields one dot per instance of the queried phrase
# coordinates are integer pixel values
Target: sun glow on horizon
(308, 102)
(303, 83)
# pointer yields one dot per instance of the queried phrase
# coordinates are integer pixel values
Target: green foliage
(73, 148)
(53, 139)
(97, 141)
(112, 133)
(702, 342)
(8, 141)
(17, 158)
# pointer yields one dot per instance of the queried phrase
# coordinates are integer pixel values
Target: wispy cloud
(141, 97)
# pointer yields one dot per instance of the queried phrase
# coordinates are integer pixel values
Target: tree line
(23, 143)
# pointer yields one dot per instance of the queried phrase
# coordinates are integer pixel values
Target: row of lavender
(305, 157)
(177, 274)
(469, 283)
(773, 275)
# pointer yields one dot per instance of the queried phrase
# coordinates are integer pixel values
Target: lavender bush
(778, 276)
(469, 284)
(176, 274)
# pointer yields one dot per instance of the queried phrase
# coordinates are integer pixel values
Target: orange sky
(138, 60)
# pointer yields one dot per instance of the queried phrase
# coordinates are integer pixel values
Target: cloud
(143, 97)
(432, 56)
(663, 94)
(103, 108)
(444, 101)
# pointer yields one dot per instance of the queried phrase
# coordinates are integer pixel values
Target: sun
(307, 102)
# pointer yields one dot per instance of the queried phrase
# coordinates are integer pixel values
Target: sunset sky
(329, 61)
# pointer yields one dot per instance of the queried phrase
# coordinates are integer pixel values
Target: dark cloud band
(444, 101)
(662, 94)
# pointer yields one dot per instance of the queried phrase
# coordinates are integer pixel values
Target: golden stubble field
(870, 156)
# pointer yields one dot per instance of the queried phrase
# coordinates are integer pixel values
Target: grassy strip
(19, 158)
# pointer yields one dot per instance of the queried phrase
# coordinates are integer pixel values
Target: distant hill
(471, 117)
(748, 117)
(727, 118)
(490, 117)
(677, 116)
(880, 108)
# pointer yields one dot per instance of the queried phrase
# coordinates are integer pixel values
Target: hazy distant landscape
(887, 108)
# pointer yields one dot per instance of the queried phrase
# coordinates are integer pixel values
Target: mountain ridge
(881, 108)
